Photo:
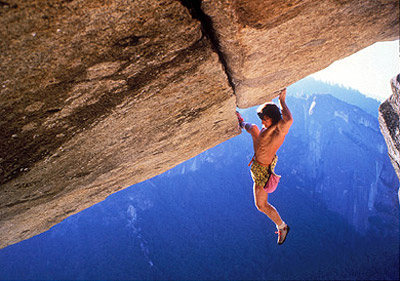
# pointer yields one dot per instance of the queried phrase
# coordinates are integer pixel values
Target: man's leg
(261, 202)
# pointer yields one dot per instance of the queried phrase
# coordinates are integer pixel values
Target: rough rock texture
(271, 44)
(99, 95)
(389, 121)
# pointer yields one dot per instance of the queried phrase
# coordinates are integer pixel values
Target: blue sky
(368, 71)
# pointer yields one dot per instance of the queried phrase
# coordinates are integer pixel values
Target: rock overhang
(268, 45)
(99, 96)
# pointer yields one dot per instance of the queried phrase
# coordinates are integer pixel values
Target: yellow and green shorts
(260, 174)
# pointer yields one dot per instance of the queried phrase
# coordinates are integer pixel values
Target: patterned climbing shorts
(260, 174)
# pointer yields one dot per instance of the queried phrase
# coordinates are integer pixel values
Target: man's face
(267, 121)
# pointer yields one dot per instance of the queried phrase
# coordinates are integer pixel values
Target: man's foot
(282, 234)
(240, 119)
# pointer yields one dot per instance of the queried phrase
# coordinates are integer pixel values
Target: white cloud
(368, 70)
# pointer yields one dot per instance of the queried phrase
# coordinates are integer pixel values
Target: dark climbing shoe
(240, 119)
(282, 233)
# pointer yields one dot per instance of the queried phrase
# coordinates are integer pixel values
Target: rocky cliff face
(389, 121)
(270, 44)
(344, 162)
(96, 96)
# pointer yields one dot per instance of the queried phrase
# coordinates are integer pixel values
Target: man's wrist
(247, 126)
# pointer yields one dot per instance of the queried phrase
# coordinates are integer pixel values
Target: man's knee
(263, 206)
(259, 206)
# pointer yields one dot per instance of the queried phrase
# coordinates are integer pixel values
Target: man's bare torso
(267, 143)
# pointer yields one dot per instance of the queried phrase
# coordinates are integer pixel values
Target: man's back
(267, 143)
(275, 126)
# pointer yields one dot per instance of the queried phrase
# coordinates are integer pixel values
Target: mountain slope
(198, 220)
(309, 86)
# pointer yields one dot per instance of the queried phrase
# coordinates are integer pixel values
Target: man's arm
(287, 119)
(249, 127)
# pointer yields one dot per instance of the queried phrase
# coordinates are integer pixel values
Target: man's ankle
(281, 226)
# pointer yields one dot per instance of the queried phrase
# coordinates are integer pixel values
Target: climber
(275, 126)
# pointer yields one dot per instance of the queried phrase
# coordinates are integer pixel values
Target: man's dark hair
(270, 110)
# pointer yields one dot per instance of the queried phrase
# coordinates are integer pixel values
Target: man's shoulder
(268, 132)
(284, 126)
(274, 132)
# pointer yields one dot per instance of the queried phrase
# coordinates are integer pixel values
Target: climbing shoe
(282, 233)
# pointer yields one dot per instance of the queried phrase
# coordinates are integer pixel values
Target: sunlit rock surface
(271, 44)
(99, 95)
(389, 120)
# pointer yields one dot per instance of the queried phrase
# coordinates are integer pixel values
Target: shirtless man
(266, 143)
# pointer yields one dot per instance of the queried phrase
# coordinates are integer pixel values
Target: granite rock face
(98, 95)
(270, 44)
(389, 122)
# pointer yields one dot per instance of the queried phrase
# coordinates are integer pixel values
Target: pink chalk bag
(273, 179)
(272, 182)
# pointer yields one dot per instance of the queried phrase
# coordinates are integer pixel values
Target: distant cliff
(342, 160)
(198, 221)
(389, 120)
(99, 95)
